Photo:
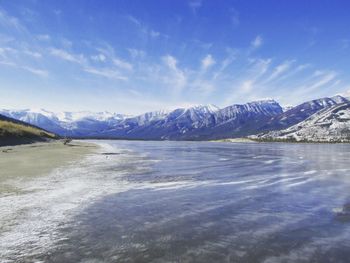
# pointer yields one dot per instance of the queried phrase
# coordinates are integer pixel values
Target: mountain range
(201, 122)
(331, 124)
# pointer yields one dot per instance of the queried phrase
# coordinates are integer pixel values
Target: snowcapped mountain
(196, 123)
(66, 123)
(299, 113)
(201, 122)
(331, 124)
(162, 124)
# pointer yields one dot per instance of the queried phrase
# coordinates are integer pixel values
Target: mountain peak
(339, 99)
(208, 108)
(263, 101)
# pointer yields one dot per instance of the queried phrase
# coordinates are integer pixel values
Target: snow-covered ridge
(198, 122)
(66, 123)
(64, 116)
(331, 124)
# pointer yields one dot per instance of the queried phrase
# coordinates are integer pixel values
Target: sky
(134, 56)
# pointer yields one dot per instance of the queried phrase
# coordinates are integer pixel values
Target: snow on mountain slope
(66, 123)
(299, 113)
(331, 124)
(233, 112)
(157, 125)
(237, 120)
(197, 122)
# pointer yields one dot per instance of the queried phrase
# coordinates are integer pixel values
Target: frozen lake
(185, 202)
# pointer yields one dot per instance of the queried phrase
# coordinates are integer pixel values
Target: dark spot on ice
(110, 153)
(344, 214)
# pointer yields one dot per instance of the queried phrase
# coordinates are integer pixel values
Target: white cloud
(260, 67)
(203, 87)
(287, 73)
(325, 78)
(66, 43)
(280, 69)
(257, 42)
(303, 67)
(154, 33)
(225, 63)
(62, 54)
(99, 58)
(170, 61)
(108, 73)
(195, 4)
(143, 27)
(8, 63)
(133, 20)
(5, 39)
(176, 78)
(107, 53)
(38, 72)
(43, 37)
(247, 86)
(10, 22)
(207, 62)
(122, 64)
(136, 53)
(32, 53)
(4, 51)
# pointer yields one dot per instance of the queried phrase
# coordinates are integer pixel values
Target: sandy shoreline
(26, 162)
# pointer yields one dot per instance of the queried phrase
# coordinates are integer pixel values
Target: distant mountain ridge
(331, 124)
(66, 123)
(299, 113)
(201, 122)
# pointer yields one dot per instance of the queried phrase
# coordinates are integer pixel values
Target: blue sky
(137, 56)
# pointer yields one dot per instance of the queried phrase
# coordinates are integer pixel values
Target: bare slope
(14, 132)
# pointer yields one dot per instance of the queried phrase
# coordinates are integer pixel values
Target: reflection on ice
(185, 202)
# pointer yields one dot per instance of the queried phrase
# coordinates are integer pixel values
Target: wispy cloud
(226, 62)
(144, 28)
(38, 72)
(234, 15)
(246, 86)
(43, 37)
(33, 54)
(133, 20)
(122, 64)
(10, 22)
(280, 69)
(65, 55)
(99, 58)
(105, 72)
(176, 77)
(136, 53)
(195, 4)
(207, 62)
(323, 78)
(256, 42)
(154, 33)
(107, 53)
